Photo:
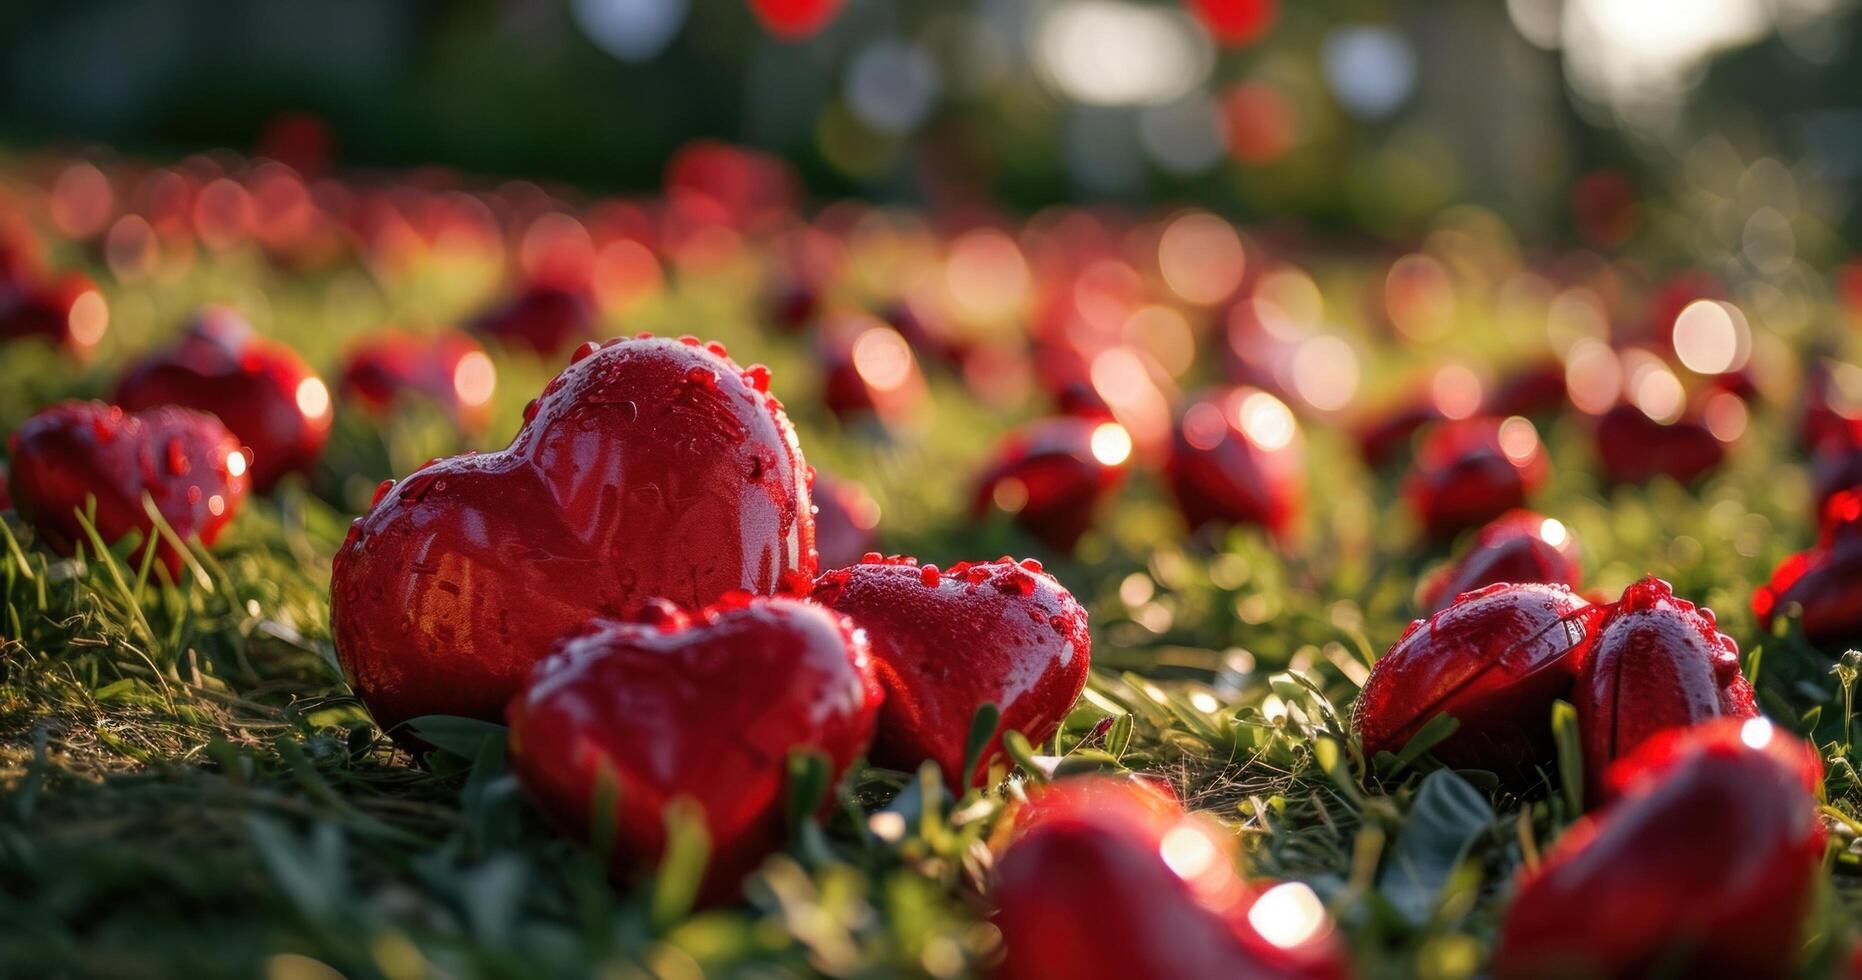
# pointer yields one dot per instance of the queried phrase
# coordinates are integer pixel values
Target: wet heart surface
(947, 642)
(184, 460)
(1470, 471)
(1494, 661)
(1703, 864)
(1822, 586)
(1052, 475)
(648, 468)
(706, 707)
(260, 389)
(1236, 457)
(1110, 878)
(1658, 662)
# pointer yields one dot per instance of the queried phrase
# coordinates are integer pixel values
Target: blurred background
(1562, 116)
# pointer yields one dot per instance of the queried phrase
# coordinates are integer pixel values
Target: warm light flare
(883, 358)
(475, 378)
(313, 398)
(236, 463)
(1111, 445)
(1518, 439)
(1201, 258)
(1553, 532)
(1711, 337)
(1266, 420)
(1325, 372)
(1756, 733)
(1188, 851)
(1288, 915)
(1456, 391)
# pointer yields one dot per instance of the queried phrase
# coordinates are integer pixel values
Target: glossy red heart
(708, 708)
(1109, 878)
(450, 370)
(1658, 662)
(261, 389)
(1470, 471)
(1635, 448)
(1822, 586)
(186, 461)
(945, 643)
(868, 371)
(1494, 660)
(1703, 865)
(1052, 475)
(543, 318)
(1518, 546)
(1237, 458)
(648, 468)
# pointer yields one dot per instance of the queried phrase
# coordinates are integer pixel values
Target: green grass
(187, 786)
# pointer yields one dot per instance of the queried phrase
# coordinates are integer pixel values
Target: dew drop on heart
(177, 458)
(929, 576)
(530, 409)
(702, 376)
(581, 353)
(758, 377)
(381, 490)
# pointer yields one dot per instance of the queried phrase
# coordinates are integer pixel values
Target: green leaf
(983, 727)
(463, 737)
(1570, 755)
(1445, 818)
(809, 776)
(682, 868)
(1426, 738)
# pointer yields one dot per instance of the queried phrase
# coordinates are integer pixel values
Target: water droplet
(582, 353)
(381, 490)
(929, 576)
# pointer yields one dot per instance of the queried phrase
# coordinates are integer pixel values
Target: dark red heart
(1109, 878)
(547, 319)
(1635, 448)
(1658, 662)
(708, 708)
(1494, 661)
(1518, 546)
(450, 370)
(1051, 475)
(945, 643)
(1704, 865)
(261, 389)
(1822, 586)
(647, 468)
(1237, 457)
(868, 371)
(1470, 471)
(186, 461)
(1535, 390)
(67, 310)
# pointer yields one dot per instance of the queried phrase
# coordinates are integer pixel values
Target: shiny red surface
(1084, 892)
(1658, 662)
(649, 467)
(1511, 548)
(73, 451)
(945, 643)
(845, 519)
(543, 318)
(251, 383)
(1495, 661)
(1220, 473)
(1388, 438)
(1462, 478)
(388, 367)
(1822, 586)
(706, 707)
(849, 392)
(1634, 448)
(1704, 865)
(1535, 390)
(1060, 481)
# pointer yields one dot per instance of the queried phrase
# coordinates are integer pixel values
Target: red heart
(1237, 458)
(1635, 448)
(1822, 586)
(1518, 546)
(647, 468)
(1470, 471)
(706, 708)
(1052, 475)
(1110, 878)
(449, 369)
(186, 461)
(1494, 661)
(544, 318)
(946, 643)
(261, 389)
(66, 310)
(1703, 866)
(1658, 662)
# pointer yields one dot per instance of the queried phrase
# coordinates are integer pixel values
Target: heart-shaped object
(1635, 448)
(261, 389)
(1109, 878)
(184, 460)
(66, 310)
(1518, 546)
(1534, 390)
(543, 317)
(706, 707)
(1470, 471)
(1052, 475)
(947, 642)
(450, 370)
(1494, 661)
(648, 468)
(1658, 662)
(1822, 586)
(868, 371)
(1237, 458)
(1703, 865)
